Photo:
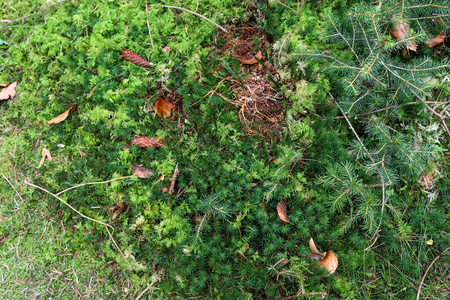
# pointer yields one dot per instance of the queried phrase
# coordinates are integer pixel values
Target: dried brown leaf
(400, 31)
(436, 40)
(120, 208)
(329, 262)
(163, 108)
(8, 91)
(167, 49)
(140, 171)
(250, 59)
(45, 154)
(62, 116)
(313, 248)
(282, 211)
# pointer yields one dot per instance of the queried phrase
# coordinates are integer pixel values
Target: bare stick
(71, 207)
(115, 244)
(428, 269)
(197, 14)
(13, 187)
(88, 183)
(26, 17)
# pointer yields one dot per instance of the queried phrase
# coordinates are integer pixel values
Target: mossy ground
(244, 137)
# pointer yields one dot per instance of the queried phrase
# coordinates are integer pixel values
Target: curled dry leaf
(250, 59)
(140, 171)
(8, 91)
(282, 211)
(45, 154)
(163, 108)
(327, 260)
(436, 40)
(400, 31)
(120, 208)
(62, 116)
(146, 141)
(167, 49)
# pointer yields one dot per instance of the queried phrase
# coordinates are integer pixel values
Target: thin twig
(115, 244)
(428, 269)
(71, 207)
(26, 17)
(13, 187)
(88, 183)
(197, 14)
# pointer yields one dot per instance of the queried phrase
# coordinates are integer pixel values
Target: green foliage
(358, 190)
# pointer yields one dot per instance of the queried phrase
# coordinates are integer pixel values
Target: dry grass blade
(8, 91)
(282, 211)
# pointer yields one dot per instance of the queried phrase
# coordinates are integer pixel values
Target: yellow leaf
(429, 242)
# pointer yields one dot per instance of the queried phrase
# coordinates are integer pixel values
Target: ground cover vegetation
(191, 149)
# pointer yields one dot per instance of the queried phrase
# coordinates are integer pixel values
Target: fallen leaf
(327, 260)
(140, 171)
(167, 49)
(163, 108)
(436, 40)
(250, 59)
(171, 186)
(120, 208)
(400, 31)
(146, 141)
(281, 209)
(313, 248)
(62, 116)
(430, 242)
(8, 91)
(45, 154)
